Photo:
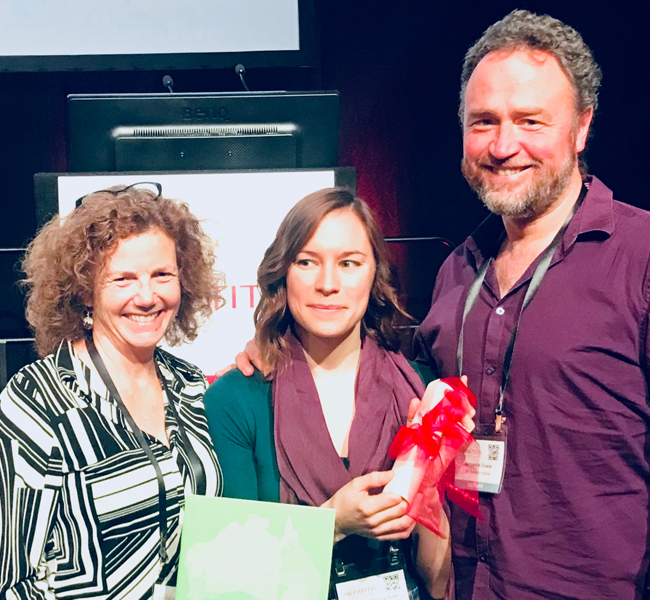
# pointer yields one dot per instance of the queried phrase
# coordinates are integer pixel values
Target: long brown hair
(272, 316)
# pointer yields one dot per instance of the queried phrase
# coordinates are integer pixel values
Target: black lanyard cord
(533, 288)
(197, 469)
(196, 465)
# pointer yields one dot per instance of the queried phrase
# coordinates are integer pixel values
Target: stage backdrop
(241, 211)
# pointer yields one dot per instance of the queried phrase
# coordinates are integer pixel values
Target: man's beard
(528, 203)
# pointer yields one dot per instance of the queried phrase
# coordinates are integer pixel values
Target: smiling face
(137, 294)
(521, 133)
(329, 282)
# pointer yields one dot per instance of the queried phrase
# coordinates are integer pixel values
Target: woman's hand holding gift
(362, 511)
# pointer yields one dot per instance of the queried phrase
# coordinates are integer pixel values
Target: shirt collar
(86, 388)
(596, 215)
(76, 374)
(73, 372)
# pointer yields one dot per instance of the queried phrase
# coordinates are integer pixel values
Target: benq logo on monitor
(211, 113)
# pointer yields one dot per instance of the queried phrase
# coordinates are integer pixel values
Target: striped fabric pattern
(78, 495)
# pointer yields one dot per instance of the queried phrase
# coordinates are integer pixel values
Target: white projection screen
(95, 34)
(241, 211)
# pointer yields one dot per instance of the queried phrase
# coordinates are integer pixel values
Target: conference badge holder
(383, 578)
(480, 467)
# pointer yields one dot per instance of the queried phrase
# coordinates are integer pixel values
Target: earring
(88, 319)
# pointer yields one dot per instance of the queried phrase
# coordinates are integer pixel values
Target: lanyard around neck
(197, 466)
(533, 287)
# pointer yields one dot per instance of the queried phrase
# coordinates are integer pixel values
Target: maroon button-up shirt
(572, 518)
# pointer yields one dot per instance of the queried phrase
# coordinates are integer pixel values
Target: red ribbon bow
(439, 438)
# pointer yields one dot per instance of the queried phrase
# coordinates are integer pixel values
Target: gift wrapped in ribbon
(424, 453)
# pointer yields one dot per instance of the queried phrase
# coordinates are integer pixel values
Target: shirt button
(500, 310)
(483, 558)
(489, 370)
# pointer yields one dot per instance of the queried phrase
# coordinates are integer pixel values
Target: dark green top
(240, 417)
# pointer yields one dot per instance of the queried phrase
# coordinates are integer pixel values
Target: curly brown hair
(63, 262)
(272, 316)
(522, 29)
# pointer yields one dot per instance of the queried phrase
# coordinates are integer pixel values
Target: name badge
(482, 465)
(163, 592)
(386, 586)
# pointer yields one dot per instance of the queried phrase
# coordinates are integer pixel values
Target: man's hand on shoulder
(222, 372)
(246, 361)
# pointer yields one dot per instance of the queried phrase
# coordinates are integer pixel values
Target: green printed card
(244, 550)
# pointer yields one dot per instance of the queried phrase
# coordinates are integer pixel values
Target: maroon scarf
(311, 470)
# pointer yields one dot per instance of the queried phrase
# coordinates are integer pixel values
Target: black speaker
(15, 354)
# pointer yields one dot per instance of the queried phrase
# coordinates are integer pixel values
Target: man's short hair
(522, 29)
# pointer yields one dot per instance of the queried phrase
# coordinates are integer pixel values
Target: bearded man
(545, 309)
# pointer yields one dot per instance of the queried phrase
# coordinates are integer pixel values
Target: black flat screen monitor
(203, 131)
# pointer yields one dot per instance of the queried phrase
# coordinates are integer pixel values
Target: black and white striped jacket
(78, 495)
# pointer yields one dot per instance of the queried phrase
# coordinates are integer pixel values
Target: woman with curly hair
(318, 429)
(101, 438)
